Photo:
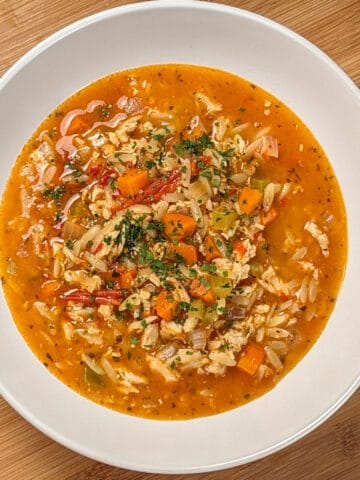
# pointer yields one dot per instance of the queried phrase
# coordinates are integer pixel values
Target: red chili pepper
(97, 297)
(108, 293)
(104, 179)
(95, 169)
(154, 192)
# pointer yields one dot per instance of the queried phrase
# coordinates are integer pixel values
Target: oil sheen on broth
(173, 241)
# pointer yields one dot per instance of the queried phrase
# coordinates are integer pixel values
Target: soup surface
(173, 241)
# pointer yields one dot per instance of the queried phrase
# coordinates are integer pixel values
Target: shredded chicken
(321, 237)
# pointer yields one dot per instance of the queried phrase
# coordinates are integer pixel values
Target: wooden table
(330, 452)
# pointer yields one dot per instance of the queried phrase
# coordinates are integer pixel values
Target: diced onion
(49, 174)
(108, 368)
(268, 199)
(68, 204)
(285, 191)
(90, 362)
(239, 178)
(197, 338)
(168, 351)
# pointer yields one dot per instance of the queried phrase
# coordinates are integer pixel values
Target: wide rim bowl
(312, 85)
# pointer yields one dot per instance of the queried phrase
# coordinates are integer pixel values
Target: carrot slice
(178, 226)
(132, 181)
(166, 305)
(211, 250)
(249, 199)
(198, 289)
(126, 279)
(252, 359)
(182, 252)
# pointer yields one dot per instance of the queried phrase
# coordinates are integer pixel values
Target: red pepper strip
(97, 297)
(104, 179)
(95, 169)
(108, 293)
(155, 191)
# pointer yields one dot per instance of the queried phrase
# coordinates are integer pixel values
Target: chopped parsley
(194, 147)
(54, 193)
(108, 239)
(69, 244)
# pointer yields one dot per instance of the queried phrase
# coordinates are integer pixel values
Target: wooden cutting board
(332, 452)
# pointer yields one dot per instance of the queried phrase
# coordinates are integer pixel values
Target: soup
(173, 241)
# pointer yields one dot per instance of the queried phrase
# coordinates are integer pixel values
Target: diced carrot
(211, 250)
(178, 226)
(239, 247)
(252, 359)
(49, 287)
(249, 199)
(132, 181)
(194, 168)
(198, 289)
(126, 279)
(166, 305)
(182, 252)
(269, 216)
(77, 125)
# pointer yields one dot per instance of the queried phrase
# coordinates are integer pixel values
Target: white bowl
(329, 103)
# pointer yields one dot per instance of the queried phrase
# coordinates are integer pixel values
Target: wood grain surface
(332, 451)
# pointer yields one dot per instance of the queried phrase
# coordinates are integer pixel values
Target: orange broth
(171, 89)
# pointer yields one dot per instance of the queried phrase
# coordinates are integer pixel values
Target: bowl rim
(169, 4)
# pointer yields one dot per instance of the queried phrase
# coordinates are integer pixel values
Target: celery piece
(78, 209)
(223, 217)
(197, 309)
(259, 184)
(210, 315)
(221, 286)
(91, 378)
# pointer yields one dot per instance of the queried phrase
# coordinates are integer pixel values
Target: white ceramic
(329, 103)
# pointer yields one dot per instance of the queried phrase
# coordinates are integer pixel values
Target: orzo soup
(173, 241)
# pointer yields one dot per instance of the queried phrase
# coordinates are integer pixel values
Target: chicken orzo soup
(173, 241)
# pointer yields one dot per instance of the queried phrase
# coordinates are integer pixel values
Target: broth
(249, 274)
